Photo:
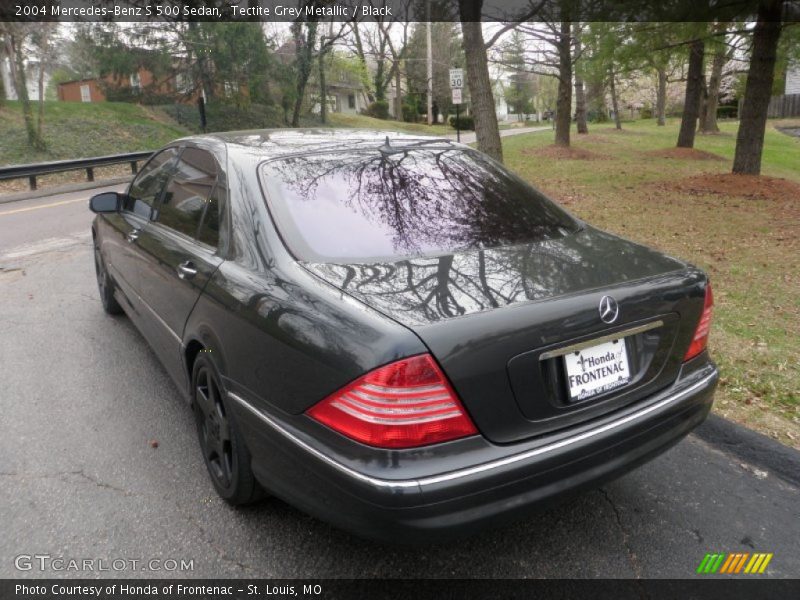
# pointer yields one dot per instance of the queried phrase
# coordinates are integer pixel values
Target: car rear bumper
(477, 484)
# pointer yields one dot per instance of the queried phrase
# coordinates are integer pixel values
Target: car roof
(283, 142)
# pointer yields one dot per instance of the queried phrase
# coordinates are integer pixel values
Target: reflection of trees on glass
(426, 289)
(424, 197)
(187, 192)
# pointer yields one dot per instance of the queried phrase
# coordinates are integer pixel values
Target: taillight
(404, 404)
(700, 339)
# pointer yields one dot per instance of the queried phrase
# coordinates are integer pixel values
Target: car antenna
(387, 147)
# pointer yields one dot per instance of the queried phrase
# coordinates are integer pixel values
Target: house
(97, 89)
(345, 93)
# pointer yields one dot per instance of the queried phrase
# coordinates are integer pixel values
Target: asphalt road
(81, 397)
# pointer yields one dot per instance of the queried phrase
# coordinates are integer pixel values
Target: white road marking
(20, 210)
(46, 245)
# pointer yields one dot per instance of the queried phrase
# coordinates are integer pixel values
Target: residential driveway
(82, 397)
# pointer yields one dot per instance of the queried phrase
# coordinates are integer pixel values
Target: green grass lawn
(749, 245)
(77, 130)
(364, 122)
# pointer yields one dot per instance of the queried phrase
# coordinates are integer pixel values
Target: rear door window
(401, 202)
(149, 183)
(188, 191)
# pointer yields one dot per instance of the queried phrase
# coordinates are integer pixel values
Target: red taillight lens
(700, 339)
(404, 404)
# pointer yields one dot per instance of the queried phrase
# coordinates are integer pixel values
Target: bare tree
(16, 37)
(484, 114)
(580, 96)
(304, 34)
(753, 118)
(612, 86)
(691, 104)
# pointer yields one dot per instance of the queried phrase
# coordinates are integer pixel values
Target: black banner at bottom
(405, 589)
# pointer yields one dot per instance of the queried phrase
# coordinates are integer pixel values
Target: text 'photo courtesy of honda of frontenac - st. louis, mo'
(395, 333)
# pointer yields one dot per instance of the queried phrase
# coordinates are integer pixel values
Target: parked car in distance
(395, 333)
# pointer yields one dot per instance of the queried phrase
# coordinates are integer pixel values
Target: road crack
(633, 560)
(61, 475)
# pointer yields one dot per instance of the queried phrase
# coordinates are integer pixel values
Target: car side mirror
(107, 202)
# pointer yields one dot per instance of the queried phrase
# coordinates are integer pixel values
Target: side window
(187, 192)
(149, 183)
(209, 230)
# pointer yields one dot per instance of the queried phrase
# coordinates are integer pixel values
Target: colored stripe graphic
(734, 562)
(728, 563)
(702, 567)
(741, 562)
(765, 563)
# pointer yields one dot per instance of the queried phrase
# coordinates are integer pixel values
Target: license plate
(597, 369)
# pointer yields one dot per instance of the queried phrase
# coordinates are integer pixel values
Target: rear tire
(221, 443)
(105, 284)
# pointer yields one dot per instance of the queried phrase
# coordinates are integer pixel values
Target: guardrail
(33, 171)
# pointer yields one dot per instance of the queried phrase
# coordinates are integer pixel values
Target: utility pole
(430, 63)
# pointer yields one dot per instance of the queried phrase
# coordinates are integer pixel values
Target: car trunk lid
(500, 320)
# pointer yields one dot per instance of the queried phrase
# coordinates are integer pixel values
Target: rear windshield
(403, 202)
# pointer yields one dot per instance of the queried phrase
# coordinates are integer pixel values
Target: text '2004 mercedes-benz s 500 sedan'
(395, 333)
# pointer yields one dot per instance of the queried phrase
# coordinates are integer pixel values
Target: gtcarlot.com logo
(734, 563)
(47, 562)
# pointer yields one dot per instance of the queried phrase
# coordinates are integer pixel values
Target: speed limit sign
(456, 78)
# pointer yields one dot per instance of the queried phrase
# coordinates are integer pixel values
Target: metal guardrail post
(90, 174)
(32, 182)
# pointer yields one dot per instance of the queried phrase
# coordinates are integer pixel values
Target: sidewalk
(468, 137)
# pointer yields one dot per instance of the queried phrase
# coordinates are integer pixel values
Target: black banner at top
(120, 11)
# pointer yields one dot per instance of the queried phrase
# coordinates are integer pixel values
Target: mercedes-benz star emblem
(609, 309)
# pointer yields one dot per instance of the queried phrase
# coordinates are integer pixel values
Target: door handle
(133, 235)
(187, 270)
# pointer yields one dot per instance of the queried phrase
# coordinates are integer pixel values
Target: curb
(62, 189)
(755, 448)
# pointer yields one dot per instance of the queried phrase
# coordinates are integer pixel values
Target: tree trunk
(323, 89)
(564, 98)
(40, 116)
(703, 110)
(304, 50)
(398, 94)
(661, 97)
(709, 123)
(20, 82)
(580, 97)
(362, 58)
(691, 104)
(760, 75)
(478, 80)
(612, 86)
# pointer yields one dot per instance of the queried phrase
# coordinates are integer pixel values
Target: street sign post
(456, 85)
(456, 78)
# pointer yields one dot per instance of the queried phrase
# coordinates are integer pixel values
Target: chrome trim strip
(599, 340)
(503, 462)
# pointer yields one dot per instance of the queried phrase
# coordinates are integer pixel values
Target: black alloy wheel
(224, 452)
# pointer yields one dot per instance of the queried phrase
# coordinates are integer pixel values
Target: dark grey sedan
(396, 334)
